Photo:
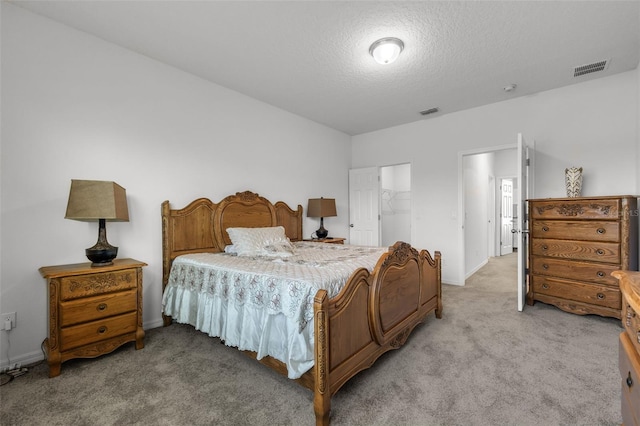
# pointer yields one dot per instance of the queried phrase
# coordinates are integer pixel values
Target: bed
(375, 310)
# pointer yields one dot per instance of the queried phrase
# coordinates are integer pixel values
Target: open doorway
(380, 205)
(488, 193)
(395, 203)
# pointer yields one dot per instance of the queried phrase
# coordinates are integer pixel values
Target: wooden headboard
(201, 227)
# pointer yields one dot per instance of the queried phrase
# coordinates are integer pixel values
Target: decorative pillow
(270, 241)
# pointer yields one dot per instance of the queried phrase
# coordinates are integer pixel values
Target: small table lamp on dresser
(96, 200)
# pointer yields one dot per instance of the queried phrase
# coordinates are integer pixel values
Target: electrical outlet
(11, 316)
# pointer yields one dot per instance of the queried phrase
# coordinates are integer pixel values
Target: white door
(506, 217)
(525, 178)
(364, 217)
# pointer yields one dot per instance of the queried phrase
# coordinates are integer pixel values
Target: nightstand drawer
(94, 308)
(629, 365)
(74, 287)
(95, 331)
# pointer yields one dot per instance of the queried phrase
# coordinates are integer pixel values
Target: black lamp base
(102, 253)
(101, 257)
(321, 233)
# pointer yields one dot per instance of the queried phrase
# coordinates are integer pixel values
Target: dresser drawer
(96, 331)
(93, 308)
(74, 287)
(631, 323)
(579, 250)
(574, 270)
(576, 230)
(576, 209)
(587, 293)
(629, 364)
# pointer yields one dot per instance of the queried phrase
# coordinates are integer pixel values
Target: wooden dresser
(629, 352)
(574, 246)
(92, 310)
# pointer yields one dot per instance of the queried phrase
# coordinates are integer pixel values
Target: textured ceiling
(311, 57)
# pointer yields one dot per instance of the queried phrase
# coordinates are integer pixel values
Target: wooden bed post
(322, 386)
(167, 238)
(438, 259)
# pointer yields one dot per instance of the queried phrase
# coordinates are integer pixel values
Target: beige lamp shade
(321, 207)
(91, 200)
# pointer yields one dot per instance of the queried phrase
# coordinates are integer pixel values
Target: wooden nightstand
(328, 240)
(92, 310)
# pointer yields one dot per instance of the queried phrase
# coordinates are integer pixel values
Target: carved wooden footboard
(374, 313)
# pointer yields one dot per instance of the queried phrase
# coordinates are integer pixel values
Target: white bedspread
(260, 303)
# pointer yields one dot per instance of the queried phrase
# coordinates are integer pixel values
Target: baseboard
(153, 324)
(476, 269)
(24, 359)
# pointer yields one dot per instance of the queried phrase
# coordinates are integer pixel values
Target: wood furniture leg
(322, 392)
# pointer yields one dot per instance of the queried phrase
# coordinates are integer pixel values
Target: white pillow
(230, 249)
(270, 241)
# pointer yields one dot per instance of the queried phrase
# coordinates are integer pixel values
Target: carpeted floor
(483, 363)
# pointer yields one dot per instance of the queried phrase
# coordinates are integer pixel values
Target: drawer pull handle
(102, 330)
(600, 274)
(545, 266)
(545, 228)
(599, 252)
(601, 231)
(544, 247)
(102, 306)
(545, 286)
(629, 380)
(600, 296)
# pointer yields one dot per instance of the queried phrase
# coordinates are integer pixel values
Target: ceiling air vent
(429, 111)
(589, 68)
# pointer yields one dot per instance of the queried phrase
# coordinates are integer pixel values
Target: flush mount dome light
(386, 50)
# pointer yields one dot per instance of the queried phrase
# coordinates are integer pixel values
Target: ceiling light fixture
(386, 50)
(510, 88)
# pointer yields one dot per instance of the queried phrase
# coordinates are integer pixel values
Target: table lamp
(95, 200)
(321, 207)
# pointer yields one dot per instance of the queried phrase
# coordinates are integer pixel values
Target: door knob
(351, 225)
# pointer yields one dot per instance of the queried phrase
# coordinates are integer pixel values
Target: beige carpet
(483, 363)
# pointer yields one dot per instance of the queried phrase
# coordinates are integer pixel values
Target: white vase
(573, 181)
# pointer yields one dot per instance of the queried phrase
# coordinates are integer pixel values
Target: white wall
(477, 169)
(591, 124)
(74, 106)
